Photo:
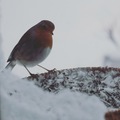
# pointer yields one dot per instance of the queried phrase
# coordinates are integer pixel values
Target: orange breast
(43, 38)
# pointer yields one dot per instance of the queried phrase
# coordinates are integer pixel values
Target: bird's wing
(24, 40)
(26, 45)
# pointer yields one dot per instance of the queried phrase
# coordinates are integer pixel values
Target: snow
(1, 54)
(100, 81)
(23, 100)
(88, 45)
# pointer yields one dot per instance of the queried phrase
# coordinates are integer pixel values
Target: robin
(33, 47)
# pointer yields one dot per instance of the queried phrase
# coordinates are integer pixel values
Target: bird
(33, 47)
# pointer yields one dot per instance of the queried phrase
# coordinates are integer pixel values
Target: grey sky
(79, 38)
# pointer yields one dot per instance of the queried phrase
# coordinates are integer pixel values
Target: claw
(34, 76)
(53, 70)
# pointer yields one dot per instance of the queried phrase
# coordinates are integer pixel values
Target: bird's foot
(34, 76)
(52, 71)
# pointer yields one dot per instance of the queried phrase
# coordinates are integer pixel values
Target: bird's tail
(10, 66)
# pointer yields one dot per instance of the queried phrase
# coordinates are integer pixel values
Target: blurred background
(87, 32)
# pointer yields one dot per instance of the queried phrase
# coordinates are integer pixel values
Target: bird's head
(47, 25)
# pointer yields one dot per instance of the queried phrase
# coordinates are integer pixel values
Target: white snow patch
(22, 100)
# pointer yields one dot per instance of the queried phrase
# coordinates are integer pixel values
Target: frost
(23, 100)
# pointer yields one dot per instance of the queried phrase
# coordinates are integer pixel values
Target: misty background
(87, 32)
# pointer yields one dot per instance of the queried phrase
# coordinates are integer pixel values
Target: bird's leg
(44, 68)
(32, 75)
(47, 69)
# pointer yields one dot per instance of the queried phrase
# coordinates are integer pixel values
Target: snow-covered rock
(23, 100)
